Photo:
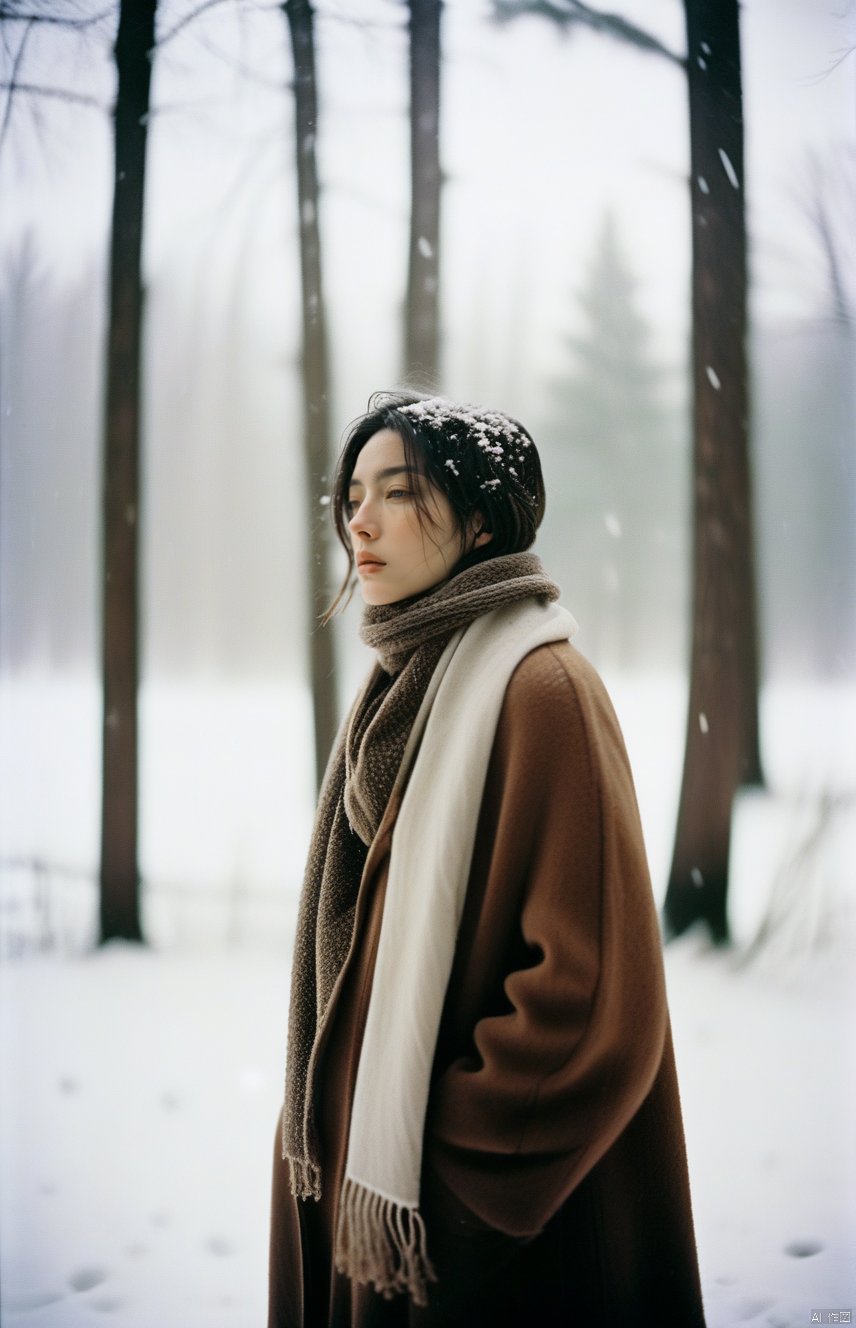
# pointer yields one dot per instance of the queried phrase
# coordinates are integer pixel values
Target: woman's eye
(398, 493)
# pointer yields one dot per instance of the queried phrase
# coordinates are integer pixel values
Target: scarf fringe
(305, 1177)
(383, 1242)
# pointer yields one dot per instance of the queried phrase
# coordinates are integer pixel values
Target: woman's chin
(373, 594)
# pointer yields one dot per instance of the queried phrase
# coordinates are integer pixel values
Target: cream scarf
(441, 770)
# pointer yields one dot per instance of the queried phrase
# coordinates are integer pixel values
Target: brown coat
(554, 1182)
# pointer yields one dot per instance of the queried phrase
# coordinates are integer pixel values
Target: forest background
(562, 270)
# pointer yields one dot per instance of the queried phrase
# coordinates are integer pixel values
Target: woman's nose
(362, 522)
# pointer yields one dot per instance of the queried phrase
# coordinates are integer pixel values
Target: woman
(481, 1121)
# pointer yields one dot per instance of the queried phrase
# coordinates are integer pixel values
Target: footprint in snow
(803, 1249)
(218, 1245)
(31, 1300)
(750, 1309)
(86, 1278)
(107, 1304)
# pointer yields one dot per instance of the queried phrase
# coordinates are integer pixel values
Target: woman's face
(395, 556)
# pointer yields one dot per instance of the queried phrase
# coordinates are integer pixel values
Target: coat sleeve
(555, 1017)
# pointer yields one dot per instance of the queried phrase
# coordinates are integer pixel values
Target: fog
(543, 137)
(564, 209)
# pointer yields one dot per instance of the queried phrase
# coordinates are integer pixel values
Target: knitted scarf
(381, 1237)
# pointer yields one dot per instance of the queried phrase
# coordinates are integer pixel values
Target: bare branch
(821, 209)
(19, 55)
(193, 105)
(245, 70)
(564, 13)
(258, 171)
(342, 19)
(838, 59)
(189, 18)
(5, 36)
(15, 16)
(60, 94)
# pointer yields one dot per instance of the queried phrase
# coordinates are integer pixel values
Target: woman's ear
(478, 532)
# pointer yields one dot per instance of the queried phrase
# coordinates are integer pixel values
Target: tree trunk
(722, 729)
(119, 912)
(422, 336)
(721, 752)
(315, 378)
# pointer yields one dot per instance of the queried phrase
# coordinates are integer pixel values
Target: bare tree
(722, 751)
(422, 337)
(316, 375)
(119, 913)
(829, 207)
(119, 874)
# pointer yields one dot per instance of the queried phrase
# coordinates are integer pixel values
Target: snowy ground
(226, 799)
(139, 1089)
(139, 1101)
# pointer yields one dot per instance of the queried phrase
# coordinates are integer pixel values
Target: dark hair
(483, 462)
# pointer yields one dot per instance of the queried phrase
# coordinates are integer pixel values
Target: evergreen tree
(623, 504)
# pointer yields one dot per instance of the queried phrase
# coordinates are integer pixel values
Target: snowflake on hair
(498, 437)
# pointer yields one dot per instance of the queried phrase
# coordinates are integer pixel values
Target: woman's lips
(369, 562)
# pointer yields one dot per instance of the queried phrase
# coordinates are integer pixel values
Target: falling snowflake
(728, 168)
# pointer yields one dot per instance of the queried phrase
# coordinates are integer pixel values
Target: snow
(728, 167)
(226, 794)
(140, 1087)
(712, 377)
(139, 1101)
(767, 1072)
(791, 868)
(139, 1105)
(225, 802)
